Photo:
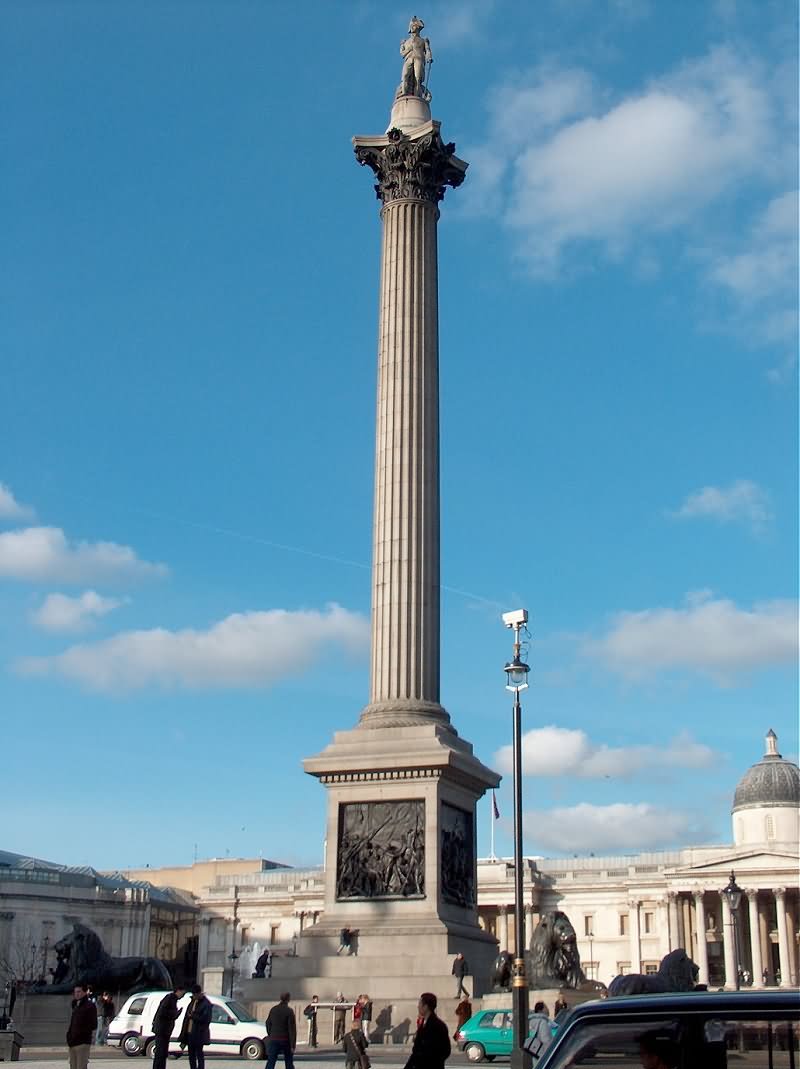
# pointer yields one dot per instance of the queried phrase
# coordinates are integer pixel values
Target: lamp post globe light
(517, 680)
(733, 894)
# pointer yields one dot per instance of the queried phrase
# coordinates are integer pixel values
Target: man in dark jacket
(281, 1033)
(196, 1030)
(164, 1020)
(82, 1025)
(460, 970)
(431, 1047)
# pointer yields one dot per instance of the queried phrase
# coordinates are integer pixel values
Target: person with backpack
(310, 1013)
(281, 1033)
(355, 1045)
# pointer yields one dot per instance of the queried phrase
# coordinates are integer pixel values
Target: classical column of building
(793, 949)
(783, 938)
(672, 907)
(728, 943)
(700, 929)
(502, 934)
(635, 935)
(763, 939)
(755, 937)
(686, 913)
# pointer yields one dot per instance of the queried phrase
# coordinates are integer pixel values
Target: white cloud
(61, 613)
(743, 501)
(566, 162)
(620, 827)
(647, 164)
(460, 22)
(10, 508)
(555, 751)
(244, 649)
(771, 261)
(44, 554)
(711, 636)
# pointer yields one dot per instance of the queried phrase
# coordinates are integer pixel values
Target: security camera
(516, 618)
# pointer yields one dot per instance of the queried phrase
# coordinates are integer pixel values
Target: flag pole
(491, 817)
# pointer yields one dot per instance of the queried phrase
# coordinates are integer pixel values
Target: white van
(234, 1031)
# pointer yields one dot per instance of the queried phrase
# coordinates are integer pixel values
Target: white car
(234, 1031)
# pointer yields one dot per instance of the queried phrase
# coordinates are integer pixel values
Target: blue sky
(189, 275)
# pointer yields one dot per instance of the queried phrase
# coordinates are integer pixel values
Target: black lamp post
(733, 894)
(591, 955)
(517, 680)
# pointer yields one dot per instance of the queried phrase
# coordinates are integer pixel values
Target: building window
(588, 924)
(623, 968)
(623, 924)
(649, 923)
(274, 930)
(649, 968)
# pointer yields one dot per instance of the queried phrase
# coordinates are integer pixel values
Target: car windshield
(238, 1010)
(695, 1041)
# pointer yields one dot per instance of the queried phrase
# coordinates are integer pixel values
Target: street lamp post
(517, 680)
(733, 894)
(591, 955)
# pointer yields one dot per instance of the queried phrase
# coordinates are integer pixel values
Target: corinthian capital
(417, 169)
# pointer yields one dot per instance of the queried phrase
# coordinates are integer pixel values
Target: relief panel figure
(381, 850)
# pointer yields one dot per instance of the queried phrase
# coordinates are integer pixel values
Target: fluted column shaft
(503, 933)
(783, 938)
(755, 940)
(700, 929)
(405, 571)
(635, 937)
(728, 944)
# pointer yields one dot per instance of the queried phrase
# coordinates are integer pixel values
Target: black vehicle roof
(716, 1002)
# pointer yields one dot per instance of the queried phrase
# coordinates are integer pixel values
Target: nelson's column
(402, 786)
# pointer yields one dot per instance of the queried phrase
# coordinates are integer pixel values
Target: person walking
(366, 1015)
(539, 1031)
(310, 1013)
(355, 1045)
(107, 1014)
(463, 1014)
(431, 1047)
(82, 1026)
(339, 1019)
(460, 970)
(281, 1033)
(164, 1020)
(345, 941)
(196, 1027)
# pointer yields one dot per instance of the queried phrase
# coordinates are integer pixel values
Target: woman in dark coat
(196, 1027)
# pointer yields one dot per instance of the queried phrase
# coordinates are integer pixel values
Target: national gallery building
(627, 911)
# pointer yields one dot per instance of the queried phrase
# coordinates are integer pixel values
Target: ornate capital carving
(418, 169)
(698, 893)
(779, 892)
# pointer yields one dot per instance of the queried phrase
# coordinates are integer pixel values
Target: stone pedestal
(10, 1045)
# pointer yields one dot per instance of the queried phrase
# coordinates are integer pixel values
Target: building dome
(771, 782)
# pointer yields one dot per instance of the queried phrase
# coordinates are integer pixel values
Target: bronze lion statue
(501, 971)
(677, 972)
(82, 960)
(554, 960)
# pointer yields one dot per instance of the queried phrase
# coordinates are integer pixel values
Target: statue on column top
(416, 53)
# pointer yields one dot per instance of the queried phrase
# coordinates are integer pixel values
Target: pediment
(778, 865)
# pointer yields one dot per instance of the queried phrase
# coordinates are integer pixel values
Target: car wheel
(150, 1049)
(253, 1050)
(131, 1044)
(474, 1052)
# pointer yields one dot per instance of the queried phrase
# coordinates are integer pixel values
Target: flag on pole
(495, 810)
